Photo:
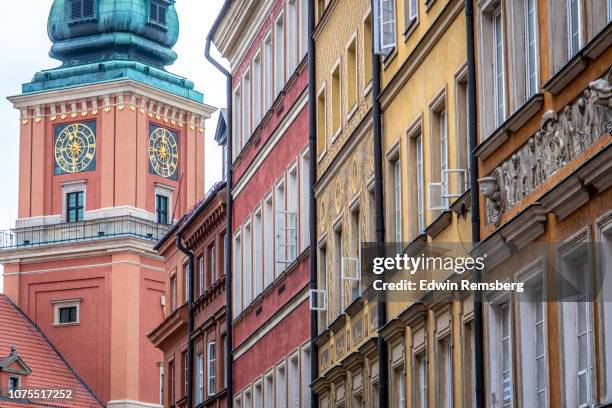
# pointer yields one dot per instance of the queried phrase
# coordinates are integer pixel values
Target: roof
(48, 368)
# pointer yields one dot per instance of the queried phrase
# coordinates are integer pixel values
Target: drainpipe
(228, 229)
(189, 379)
(475, 208)
(383, 401)
(312, 148)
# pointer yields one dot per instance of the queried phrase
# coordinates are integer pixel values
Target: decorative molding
(438, 225)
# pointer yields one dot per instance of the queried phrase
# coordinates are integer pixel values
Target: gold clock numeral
(75, 148)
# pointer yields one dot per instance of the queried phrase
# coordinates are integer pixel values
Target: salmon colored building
(202, 231)
(111, 153)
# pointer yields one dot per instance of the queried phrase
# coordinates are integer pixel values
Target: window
(246, 266)
(161, 384)
(268, 222)
(420, 193)
(540, 353)
(306, 377)
(291, 217)
(469, 372)
(237, 276)
(397, 196)
(200, 378)
(531, 43)
(335, 101)
(462, 136)
(74, 206)
(185, 376)
(161, 209)
(81, 9)
(399, 379)
(499, 68)
(367, 48)
(247, 398)
(444, 371)
(157, 12)
(173, 291)
(351, 74)
(279, 54)
(186, 294)
(212, 262)
(356, 239)
(268, 66)
(269, 390)
(294, 381)
(443, 135)
(66, 312)
(420, 381)
(322, 283)
(304, 200)
(238, 401)
(14, 383)
(211, 369)
(304, 27)
(200, 275)
(257, 101)
(223, 359)
(387, 26)
(506, 356)
(258, 394)
(171, 383)
(574, 26)
(281, 387)
(280, 233)
(321, 122)
(246, 107)
(257, 252)
(501, 358)
(338, 293)
(411, 12)
(292, 36)
(237, 119)
(439, 187)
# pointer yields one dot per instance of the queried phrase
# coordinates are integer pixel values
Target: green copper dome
(106, 40)
(96, 30)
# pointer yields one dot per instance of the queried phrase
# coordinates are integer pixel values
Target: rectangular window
(505, 348)
(74, 206)
(439, 187)
(211, 368)
(462, 136)
(531, 42)
(356, 239)
(268, 244)
(185, 376)
(279, 54)
(306, 377)
(499, 68)
(212, 262)
(291, 217)
(443, 134)
(237, 120)
(304, 27)
(338, 293)
(247, 398)
(81, 9)
(269, 390)
(397, 195)
(157, 12)
(280, 233)
(540, 352)
(173, 292)
(258, 395)
(257, 253)
(268, 69)
(420, 381)
(387, 25)
(322, 283)
(574, 26)
(186, 294)
(351, 75)
(305, 200)
(411, 11)
(199, 378)
(201, 276)
(161, 208)
(237, 275)
(257, 89)
(583, 336)
(367, 48)
(399, 379)
(321, 122)
(292, 36)
(281, 387)
(444, 371)
(420, 180)
(294, 381)
(172, 383)
(469, 373)
(68, 315)
(246, 107)
(335, 101)
(246, 266)
(161, 384)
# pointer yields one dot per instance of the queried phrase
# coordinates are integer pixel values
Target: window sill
(429, 4)
(336, 135)
(367, 88)
(352, 111)
(66, 324)
(438, 225)
(83, 21)
(159, 26)
(387, 59)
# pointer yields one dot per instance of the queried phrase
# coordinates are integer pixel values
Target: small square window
(66, 312)
(157, 12)
(14, 383)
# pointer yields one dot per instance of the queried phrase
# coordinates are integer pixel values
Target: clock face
(163, 152)
(75, 148)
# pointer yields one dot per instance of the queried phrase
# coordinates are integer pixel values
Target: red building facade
(266, 45)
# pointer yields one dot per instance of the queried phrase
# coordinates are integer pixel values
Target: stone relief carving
(561, 138)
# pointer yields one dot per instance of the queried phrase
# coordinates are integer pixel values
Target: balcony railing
(89, 230)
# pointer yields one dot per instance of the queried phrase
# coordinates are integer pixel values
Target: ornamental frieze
(561, 138)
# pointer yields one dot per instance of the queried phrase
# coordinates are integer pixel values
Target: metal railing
(89, 230)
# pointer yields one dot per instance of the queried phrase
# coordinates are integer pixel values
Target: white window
(294, 381)
(386, 26)
(419, 183)
(338, 293)
(236, 120)
(306, 377)
(257, 252)
(212, 261)
(237, 274)
(211, 368)
(279, 54)
(443, 157)
(539, 330)
(247, 398)
(199, 378)
(186, 273)
(161, 384)
(292, 36)
(268, 222)
(397, 194)
(304, 200)
(304, 27)
(291, 217)
(238, 401)
(246, 107)
(322, 280)
(257, 100)
(258, 394)
(498, 67)
(411, 12)
(200, 275)
(280, 236)
(501, 354)
(574, 26)
(66, 312)
(247, 290)
(173, 291)
(269, 390)
(355, 258)
(281, 387)
(531, 43)
(420, 381)
(268, 69)
(445, 373)
(399, 380)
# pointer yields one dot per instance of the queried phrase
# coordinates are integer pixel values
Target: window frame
(79, 209)
(211, 366)
(58, 305)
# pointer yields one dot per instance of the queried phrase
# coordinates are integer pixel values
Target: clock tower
(111, 154)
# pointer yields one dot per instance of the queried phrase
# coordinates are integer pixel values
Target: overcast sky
(25, 47)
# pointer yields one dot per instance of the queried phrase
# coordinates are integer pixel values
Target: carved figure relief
(561, 138)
